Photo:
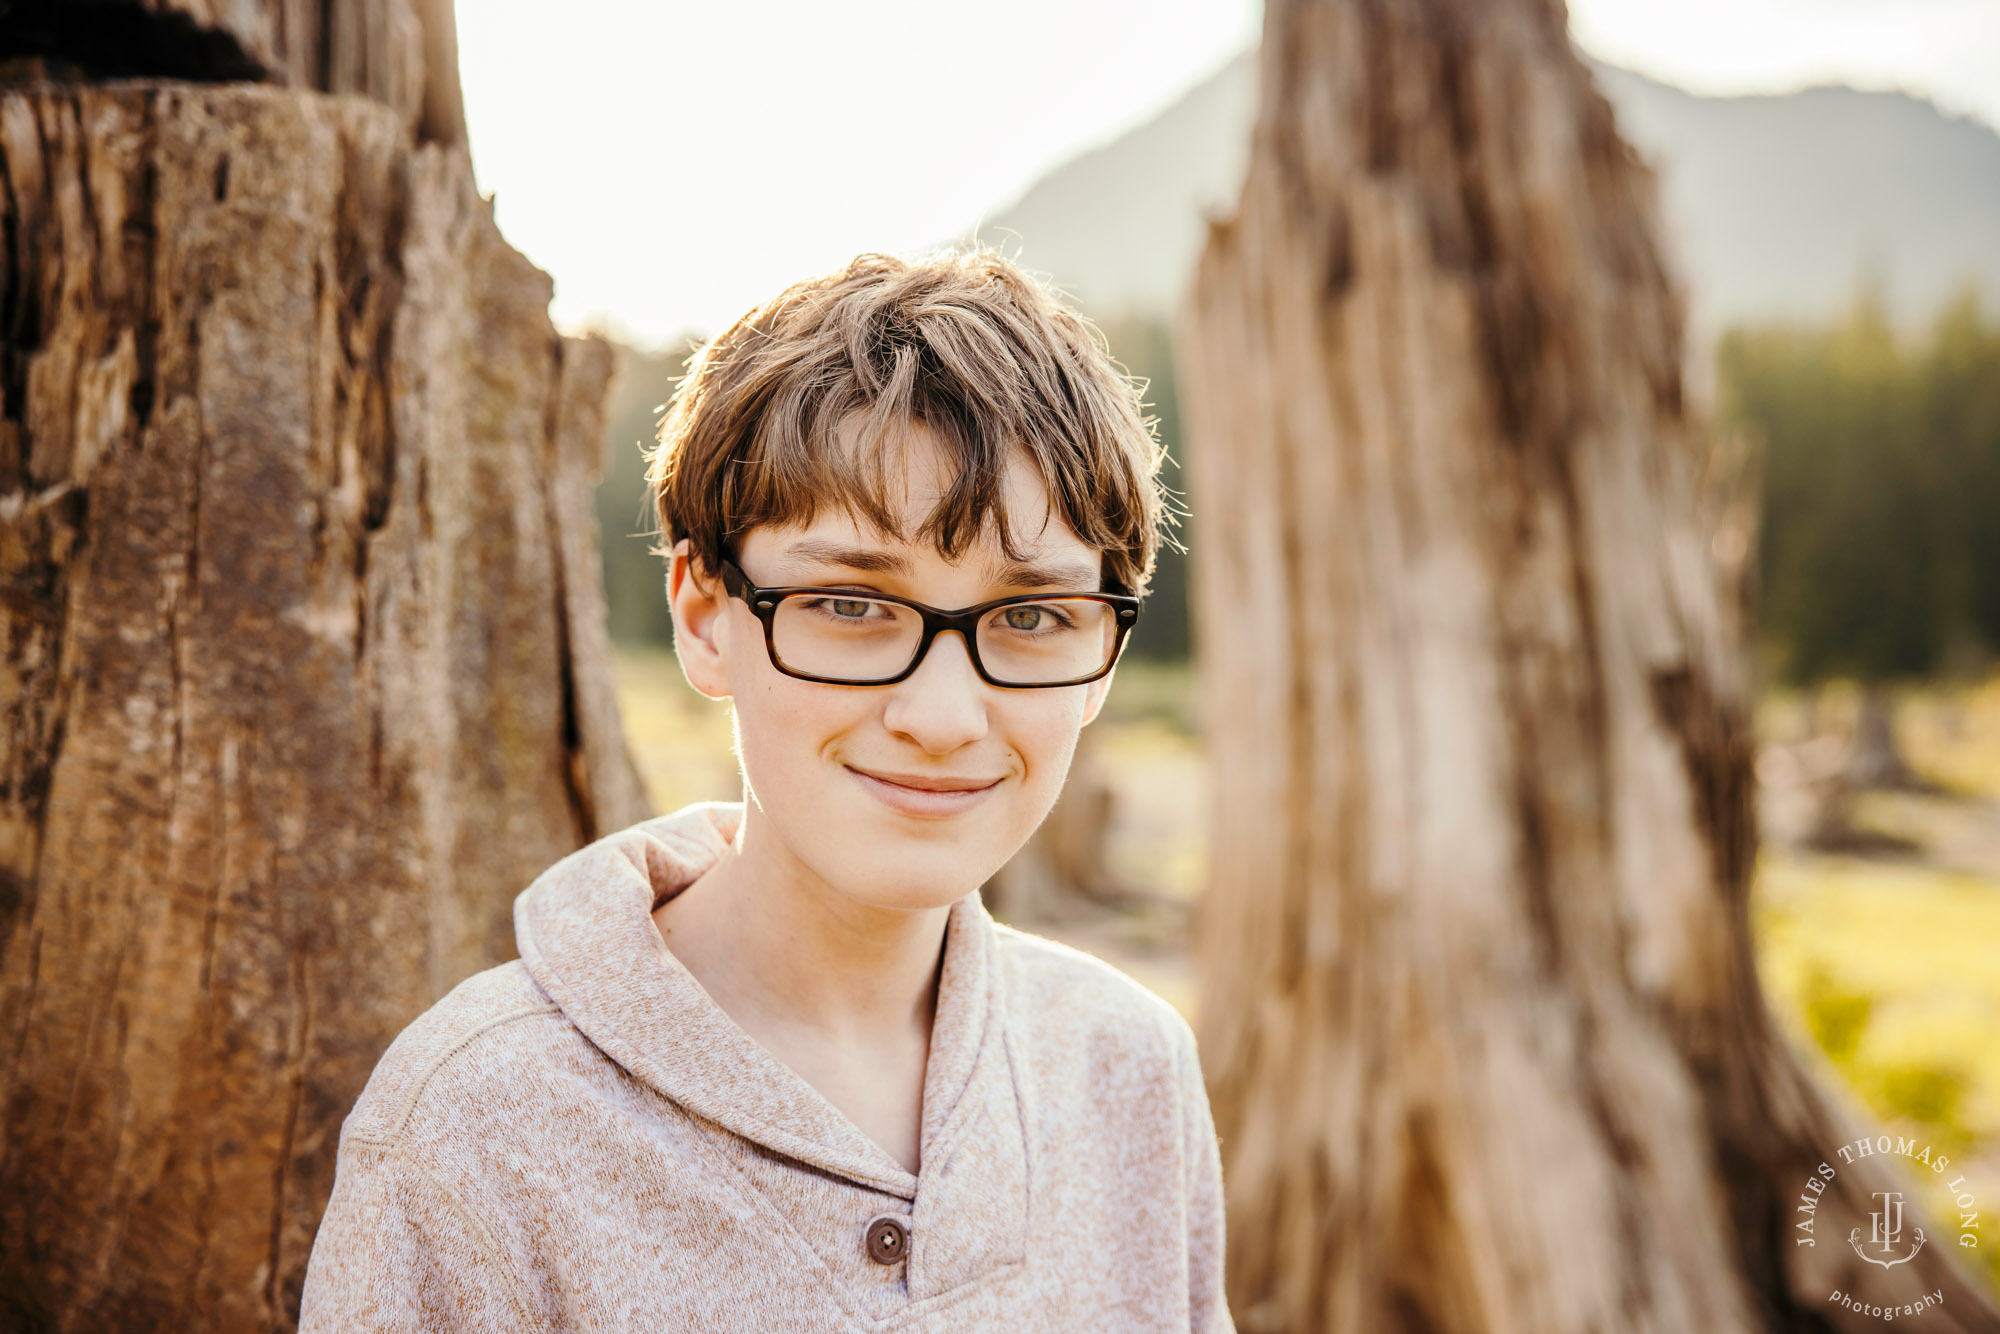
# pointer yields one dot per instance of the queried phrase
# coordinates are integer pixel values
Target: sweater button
(888, 1239)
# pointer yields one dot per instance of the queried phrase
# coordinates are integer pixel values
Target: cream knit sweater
(582, 1140)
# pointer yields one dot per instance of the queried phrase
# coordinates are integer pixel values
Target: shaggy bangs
(813, 398)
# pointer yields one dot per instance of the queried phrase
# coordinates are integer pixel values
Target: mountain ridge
(1774, 206)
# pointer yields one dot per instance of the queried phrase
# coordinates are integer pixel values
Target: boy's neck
(776, 946)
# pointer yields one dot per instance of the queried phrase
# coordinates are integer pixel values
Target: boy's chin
(885, 859)
(910, 879)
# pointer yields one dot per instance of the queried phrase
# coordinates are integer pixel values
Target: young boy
(772, 1066)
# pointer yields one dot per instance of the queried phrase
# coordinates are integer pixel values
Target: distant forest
(1876, 457)
(1879, 514)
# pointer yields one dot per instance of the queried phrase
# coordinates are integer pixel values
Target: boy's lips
(922, 794)
(926, 783)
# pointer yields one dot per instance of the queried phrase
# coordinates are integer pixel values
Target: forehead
(916, 475)
(802, 554)
(913, 473)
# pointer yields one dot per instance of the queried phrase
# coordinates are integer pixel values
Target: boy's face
(899, 796)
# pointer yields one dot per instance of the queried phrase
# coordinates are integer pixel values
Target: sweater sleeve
(1208, 1305)
(397, 1251)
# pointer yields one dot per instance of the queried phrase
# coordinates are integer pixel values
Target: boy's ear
(697, 601)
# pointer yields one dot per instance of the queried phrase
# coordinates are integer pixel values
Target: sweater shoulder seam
(391, 1136)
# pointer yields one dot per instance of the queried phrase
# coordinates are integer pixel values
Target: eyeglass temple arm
(735, 582)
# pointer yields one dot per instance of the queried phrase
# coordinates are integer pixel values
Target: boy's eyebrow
(875, 561)
(1077, 578)
(854, 558)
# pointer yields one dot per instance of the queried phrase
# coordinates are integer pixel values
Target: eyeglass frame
(965, 620)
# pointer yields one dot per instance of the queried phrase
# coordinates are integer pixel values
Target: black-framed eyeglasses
(843, 636)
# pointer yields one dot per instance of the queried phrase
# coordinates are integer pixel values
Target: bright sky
(673, 163)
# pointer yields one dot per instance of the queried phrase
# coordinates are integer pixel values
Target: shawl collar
(585, 931)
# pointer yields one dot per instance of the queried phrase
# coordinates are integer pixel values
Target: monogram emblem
(1886, 1233)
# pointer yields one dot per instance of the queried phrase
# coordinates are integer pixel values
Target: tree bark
(305, 665)
(1485, 1041)
(401, 53)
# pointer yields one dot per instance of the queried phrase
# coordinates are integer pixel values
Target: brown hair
(965, 344)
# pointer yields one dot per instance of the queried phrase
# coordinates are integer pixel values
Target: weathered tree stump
(401, 53)
(1480, 1013)
(305, 666)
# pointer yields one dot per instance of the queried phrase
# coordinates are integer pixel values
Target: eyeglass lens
(860, 639)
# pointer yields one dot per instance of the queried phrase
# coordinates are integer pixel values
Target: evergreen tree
(1880, 532)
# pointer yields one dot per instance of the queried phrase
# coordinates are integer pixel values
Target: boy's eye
(1031, 618)
(851, 611)
(1023, 618)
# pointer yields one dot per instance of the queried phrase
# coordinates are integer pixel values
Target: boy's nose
(942, 705)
